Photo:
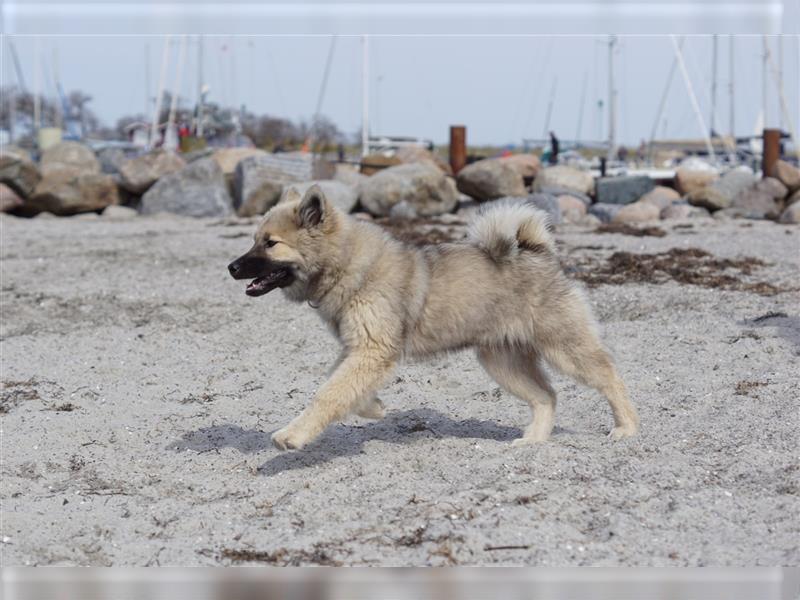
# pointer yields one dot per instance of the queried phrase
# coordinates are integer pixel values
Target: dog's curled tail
(505, 229)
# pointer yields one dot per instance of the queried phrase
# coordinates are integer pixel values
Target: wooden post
(772, 151)
(458, 147)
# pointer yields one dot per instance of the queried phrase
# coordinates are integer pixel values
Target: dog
(502, 292)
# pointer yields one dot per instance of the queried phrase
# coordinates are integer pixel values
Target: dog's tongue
(257, 286)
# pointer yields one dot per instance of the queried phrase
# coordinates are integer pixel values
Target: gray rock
(69, 156)
(341, 195)
(560, 191)
(623, 190)
(604, 211)
(111, 159)
(490, 179)
(762, 201)
(140, 173)
(791, 215)
(720, 193)
(564, 177)
(18, 171)
(422, 185)
(197, 190)
(403, 210)
(69, 191)
(572, 209)
(259, 180)
(773, 187)
(549, 204)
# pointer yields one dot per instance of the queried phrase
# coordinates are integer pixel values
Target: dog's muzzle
(266, 275)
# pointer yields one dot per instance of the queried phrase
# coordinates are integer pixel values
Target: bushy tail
(505, 229)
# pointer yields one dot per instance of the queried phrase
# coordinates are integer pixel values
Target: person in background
(553, 158)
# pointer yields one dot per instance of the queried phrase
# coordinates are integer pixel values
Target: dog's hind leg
(590, 364)
(520, 373)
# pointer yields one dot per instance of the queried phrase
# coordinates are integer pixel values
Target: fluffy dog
(502, 292)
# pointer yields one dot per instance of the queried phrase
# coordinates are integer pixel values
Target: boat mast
(160, 93)
(364, 95)
(199, 127)
(731, 71)
(612, 101)
(713, 83)
(690, 90)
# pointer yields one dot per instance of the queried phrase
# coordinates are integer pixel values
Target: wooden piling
(458, 147)
(772, 151)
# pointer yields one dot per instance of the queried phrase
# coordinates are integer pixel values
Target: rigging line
(535, 103)
(325, 75)
(523, 94)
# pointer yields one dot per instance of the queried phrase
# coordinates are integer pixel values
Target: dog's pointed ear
(291, 195)
(312, 208)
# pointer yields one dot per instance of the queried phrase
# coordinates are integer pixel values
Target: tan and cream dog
(501, 291)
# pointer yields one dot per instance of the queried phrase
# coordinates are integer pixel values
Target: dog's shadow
(398, 427)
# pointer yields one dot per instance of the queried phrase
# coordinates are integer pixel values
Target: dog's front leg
(356, 378)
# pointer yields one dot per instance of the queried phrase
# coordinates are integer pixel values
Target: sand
(141, 385)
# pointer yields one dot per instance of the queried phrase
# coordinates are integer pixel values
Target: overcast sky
(500, 86)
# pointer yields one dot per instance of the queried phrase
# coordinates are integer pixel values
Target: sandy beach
(141, 386)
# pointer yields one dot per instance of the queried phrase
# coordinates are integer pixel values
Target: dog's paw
(622, 431)
(372, 409)
(526, 441)
(288, 438)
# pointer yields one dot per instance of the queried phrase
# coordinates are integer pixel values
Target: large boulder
(548, 204)
(9, 199)
(228, 158)
(637, 212)
(564, 177)
(661, 196)
(375, 163)
(197, 190)
(69, 157)
(787, 174)
(694, 174)
(413, 154)
(69, 191)
(623, 190)
(720, 193)
(791, 215)
(111, 159)
(559, 191)
(683, 210)
(18, 171)
(793, 198)
(259, 181)
(341, 195)
(424, 187)
(764, 200)
(140, 173)
(349, 174)
(492, 178)
(527, 165)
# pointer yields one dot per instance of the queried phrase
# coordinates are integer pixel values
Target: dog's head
(289, 245)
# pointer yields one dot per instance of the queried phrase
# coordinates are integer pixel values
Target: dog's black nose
(234, 267)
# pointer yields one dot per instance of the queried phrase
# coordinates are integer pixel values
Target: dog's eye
(271, 243)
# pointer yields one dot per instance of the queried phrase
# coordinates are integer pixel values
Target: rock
(677, 211)
(18, 171)
(637, 212)
(69, 191)
(661, 196)
(413, 154)
(572, 209)
(793, 198)
(69, 157)
(564, 177)
(623, 190)
(490, 179)
(726, 214)
(403, 210)
(140, 173)
(588, 220)
(259, 181)
(342, 196)
(762, 201)
(197, 190)
(787, 174)
(720, 193)
(527, 165)
(791, 215)
(119, 213)
(559, 191)
(9, 200)
(111, 159)
(604, 211)
(425, 187)
(375, 163)
(694, 174)
(228, 158)
(348, 174)
(548, 204)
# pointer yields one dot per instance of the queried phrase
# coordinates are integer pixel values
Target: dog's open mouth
(266, 283)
